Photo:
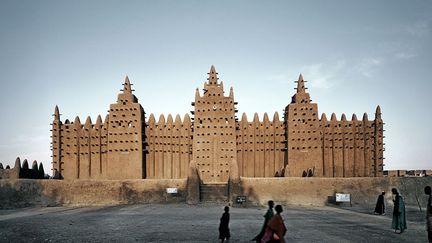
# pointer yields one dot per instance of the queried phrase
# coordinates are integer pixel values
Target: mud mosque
(128, 145)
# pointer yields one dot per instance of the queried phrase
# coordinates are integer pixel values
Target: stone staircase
(214, 193)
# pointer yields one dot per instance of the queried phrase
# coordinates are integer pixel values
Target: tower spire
(231, 94)
(56, 113)
(126, 94)
(301, 96)
(300, 84)
(213, 79)
(127, 86)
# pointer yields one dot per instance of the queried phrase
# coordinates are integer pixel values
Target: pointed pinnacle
(231, 94)
(276, 117)
(99, 120)
(300, 84)
(127, 85)
(244, 117)
(378, 112)
(323, 117)
(213, 75)
(56, 113)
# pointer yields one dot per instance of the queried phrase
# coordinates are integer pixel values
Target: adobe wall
(168, 147)
(261, 146)
(80, 150)
(315, 191)
(127, 146)
(35, 172)
(287, 191)
(10, 173)
(24, 192)
(100, 150)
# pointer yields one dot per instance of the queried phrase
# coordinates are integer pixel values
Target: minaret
(303, 144)
(56, 143)
(214, 136)
(125, 148)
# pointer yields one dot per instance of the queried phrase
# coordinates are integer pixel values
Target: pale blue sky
(355, 54)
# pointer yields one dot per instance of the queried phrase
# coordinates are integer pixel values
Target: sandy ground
(184, 223)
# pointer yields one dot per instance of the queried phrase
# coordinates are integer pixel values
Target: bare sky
(355, 54)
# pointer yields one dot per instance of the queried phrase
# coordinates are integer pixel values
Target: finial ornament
(213, 75)
(300, 84)
(127, 86)
(56, 113)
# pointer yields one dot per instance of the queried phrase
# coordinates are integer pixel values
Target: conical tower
(125, 150)
(303, 143)
(56, 145)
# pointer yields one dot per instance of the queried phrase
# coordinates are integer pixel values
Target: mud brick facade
(127, 145)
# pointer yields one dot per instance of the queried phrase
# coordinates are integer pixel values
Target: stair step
(214, 192)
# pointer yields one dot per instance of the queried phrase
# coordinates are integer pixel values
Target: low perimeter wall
(316, 191)
(287, 191)
(25, 192)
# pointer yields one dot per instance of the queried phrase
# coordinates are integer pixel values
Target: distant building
(407, 173)
(126, 145)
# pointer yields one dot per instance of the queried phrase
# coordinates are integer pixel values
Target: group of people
(273, 229)
(399, 219)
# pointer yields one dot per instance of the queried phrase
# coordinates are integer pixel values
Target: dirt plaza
(185, 223)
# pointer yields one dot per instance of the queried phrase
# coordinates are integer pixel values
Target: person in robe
(399, 218)
(267, 216)
(276, 229)
(427, 191)
(224, 232)
(380, 206)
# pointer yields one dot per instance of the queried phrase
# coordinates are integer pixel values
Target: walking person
(267, 216)
(276, 229)
(224, 232)
(427, 191)
(380, 206)
(399, 219)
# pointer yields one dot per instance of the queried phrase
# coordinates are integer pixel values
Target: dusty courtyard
(184, 223)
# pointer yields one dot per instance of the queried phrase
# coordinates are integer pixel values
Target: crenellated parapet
(168, 146)
(260, 146)
(80, 148)
(349, 147)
